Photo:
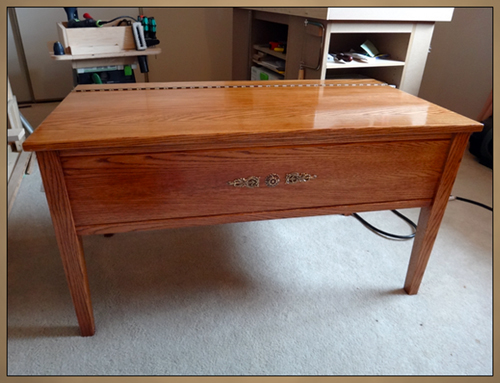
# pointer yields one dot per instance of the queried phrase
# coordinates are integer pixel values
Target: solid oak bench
(118, 158)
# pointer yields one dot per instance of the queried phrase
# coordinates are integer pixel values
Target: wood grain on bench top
(274, 115)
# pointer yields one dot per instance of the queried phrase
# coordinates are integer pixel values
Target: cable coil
(409, 221)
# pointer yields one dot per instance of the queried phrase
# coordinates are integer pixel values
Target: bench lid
(183, 116)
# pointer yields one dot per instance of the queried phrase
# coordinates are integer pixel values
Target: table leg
(70, 243)
(431, 216)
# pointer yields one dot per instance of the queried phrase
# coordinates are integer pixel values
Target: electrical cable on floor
(452, 198)
(386, 234)
(409, 221)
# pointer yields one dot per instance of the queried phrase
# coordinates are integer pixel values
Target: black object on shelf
(143, 63)
(87, 23)
(152, 42)
(58, 49)
(71, 12)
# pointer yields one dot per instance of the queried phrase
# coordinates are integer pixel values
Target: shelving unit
(279, 58)
(404, 33)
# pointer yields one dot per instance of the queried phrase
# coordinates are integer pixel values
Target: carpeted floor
(306, 296)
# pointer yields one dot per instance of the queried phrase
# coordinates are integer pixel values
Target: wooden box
(106, 39)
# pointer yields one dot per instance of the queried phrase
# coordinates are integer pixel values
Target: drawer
(140, 187)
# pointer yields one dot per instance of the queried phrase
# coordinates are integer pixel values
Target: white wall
(50, 79)
(458, 73)
(196, 44)
(17, 75)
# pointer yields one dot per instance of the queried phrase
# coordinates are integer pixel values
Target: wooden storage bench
(163, 155)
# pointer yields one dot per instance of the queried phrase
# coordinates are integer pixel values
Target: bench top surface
(124, 115)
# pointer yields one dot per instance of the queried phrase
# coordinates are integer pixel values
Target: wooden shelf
(264, 49)
(278, 55)
(127, 53)
(358, 64)
(270, 67)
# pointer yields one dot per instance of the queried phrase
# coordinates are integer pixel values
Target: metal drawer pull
(293, 178)
(250, 182)
(272, 180)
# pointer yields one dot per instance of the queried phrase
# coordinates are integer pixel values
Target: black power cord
(452, 197)
(410, 222)
(116, 18)
(386, 234)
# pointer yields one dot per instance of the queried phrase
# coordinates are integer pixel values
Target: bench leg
(427, 229)
(76, 274)
(430, 217)
(70, 243)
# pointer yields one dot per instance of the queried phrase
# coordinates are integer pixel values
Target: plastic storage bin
(259, 74)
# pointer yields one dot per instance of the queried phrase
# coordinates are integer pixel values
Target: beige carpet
(307, 296)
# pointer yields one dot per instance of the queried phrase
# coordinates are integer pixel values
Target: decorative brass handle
(293, 178)
(272, 180)
(250, 182)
